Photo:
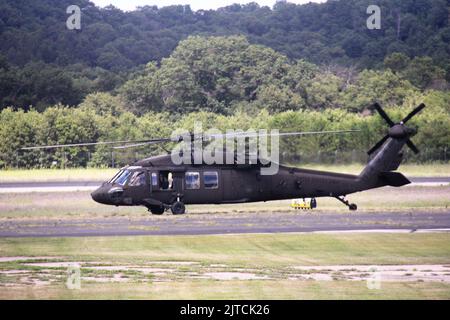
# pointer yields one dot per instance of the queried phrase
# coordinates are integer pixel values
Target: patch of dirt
(53, 264)
(131, 268)
(12, 272)
(390, 273)
(180, 263)
(115, 278)
(18, 258)
(50, 272)
(234, 276)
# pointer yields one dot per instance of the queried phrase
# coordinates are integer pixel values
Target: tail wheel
(178, 208)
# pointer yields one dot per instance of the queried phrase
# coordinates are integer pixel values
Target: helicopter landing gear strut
(351, 206)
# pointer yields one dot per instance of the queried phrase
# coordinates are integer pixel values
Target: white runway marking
(429, 184)
(47, 189)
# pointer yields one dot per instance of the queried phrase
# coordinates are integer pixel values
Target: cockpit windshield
(121, 177)
(115, 176)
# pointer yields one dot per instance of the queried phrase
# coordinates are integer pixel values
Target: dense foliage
(142, 74)
(112, 43)
(101, 117)
(226, 74)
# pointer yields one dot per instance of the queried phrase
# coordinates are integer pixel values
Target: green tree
(103, 104)
(396, 61)
(376, 86)
(422, 72)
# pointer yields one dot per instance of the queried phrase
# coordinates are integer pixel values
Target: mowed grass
(245, 250)
(237, 290)
(80, 204)
(263, 251)
(97, 174)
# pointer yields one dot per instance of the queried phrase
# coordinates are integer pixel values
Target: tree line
(226, 74)
(229, 83)
(42, 63)
(101, 117)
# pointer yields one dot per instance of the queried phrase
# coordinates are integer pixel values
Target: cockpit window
(137, 179)
(115, 176)
(122, 177)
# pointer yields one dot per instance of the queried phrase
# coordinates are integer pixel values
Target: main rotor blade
(138, 143)
(280, 134)
(141, 144)
(285, 134)
(383, 114)
(412, 146)
(413, 113)
(84, 144)
(75, 145)
(378, 145)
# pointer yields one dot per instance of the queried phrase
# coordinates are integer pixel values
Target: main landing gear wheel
(158, 210)
(178, 208)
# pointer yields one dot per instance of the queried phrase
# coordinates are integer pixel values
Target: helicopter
(159, 184)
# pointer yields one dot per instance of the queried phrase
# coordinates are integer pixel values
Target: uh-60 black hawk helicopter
(159, 184)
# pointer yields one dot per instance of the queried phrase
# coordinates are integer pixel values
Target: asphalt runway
(199, 224)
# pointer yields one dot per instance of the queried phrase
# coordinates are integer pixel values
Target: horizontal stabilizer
(394, 179)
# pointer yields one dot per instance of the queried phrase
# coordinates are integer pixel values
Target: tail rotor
(397, 130)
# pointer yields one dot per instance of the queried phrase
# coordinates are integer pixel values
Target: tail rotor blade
(412, 146)
(413, 113)
(378, 145)
(383, 114)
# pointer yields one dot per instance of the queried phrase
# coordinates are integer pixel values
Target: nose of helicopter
(100, 195)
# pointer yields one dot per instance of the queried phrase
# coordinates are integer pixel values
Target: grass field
(94, 174)
(237, 290)
(244, 266)
(180, 267)
(79, 204)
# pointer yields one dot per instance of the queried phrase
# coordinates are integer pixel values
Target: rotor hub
(400, 131)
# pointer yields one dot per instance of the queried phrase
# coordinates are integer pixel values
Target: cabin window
(165, 180)
(192, 180)
(137, 179)
(211, 179)
(154, 179)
